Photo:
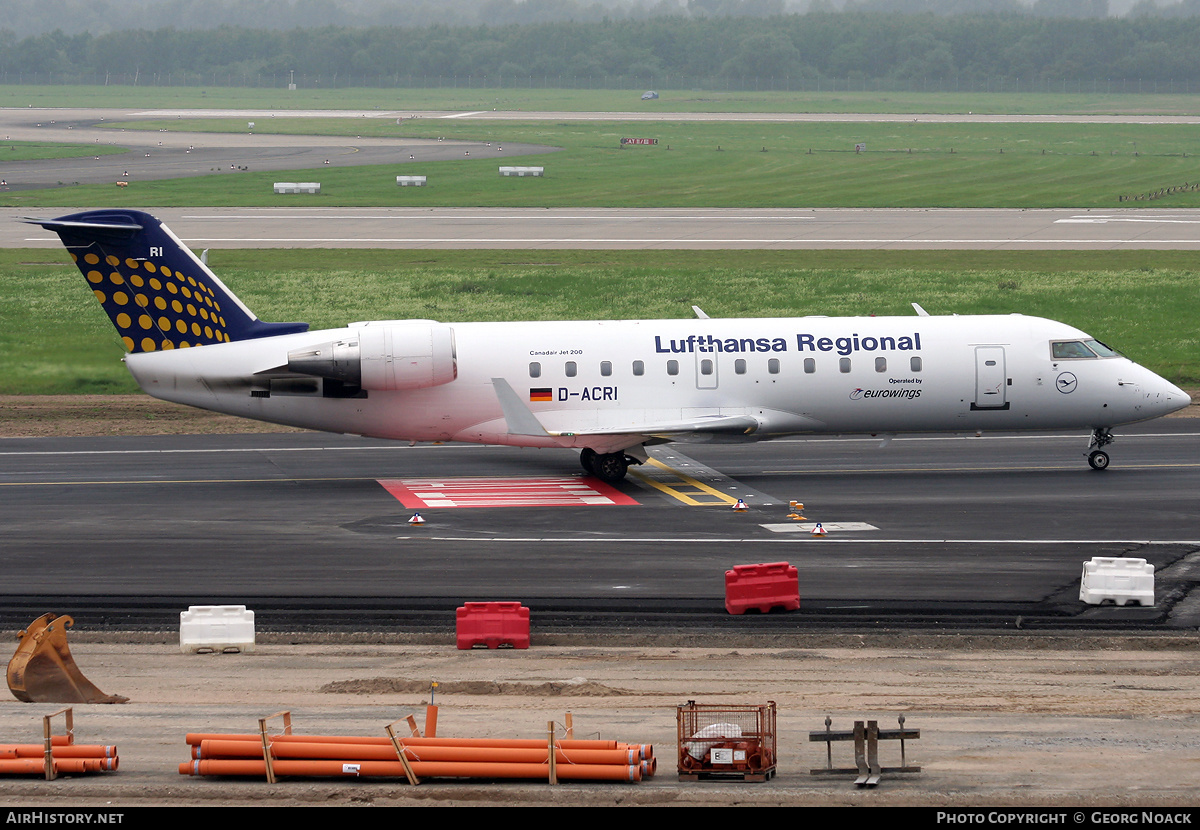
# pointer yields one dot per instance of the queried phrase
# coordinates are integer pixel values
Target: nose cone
(1161, 397)
(1174, 398)
(1151, 396)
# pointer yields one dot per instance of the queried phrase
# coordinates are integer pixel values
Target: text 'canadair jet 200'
(608, 389)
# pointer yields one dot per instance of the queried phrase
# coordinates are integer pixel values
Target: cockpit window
(1069, 349)
(1102, 350)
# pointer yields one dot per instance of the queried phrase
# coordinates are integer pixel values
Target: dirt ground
(1019, 721)
(54, 416)
(1104, 721)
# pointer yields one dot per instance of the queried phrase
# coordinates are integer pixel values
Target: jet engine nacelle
(383, 358)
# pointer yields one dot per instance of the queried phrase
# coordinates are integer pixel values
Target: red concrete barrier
(493, 624)
(762, 587)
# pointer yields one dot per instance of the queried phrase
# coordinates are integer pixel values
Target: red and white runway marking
(429, 493)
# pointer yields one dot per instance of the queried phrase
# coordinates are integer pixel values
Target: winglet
(920, 311)
(699, 312)
(517, 414)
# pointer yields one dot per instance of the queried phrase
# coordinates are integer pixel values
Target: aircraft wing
(716, 424)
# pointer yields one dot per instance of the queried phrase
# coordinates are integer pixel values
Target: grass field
(596, 100)
(907, 164)
(56, 340)
(11, 151)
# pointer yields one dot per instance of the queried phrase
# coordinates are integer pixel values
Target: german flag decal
(545, 394)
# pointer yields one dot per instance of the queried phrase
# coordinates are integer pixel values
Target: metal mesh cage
(737, 740)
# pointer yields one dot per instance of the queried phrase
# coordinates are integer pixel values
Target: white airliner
(607, 389)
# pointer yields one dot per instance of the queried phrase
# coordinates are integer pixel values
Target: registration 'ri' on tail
(153, 288)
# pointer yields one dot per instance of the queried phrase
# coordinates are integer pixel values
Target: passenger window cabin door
(991, 380)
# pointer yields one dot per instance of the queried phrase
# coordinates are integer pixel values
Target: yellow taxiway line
(682, 487)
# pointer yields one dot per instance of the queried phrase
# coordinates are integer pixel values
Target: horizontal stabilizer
(120, 228)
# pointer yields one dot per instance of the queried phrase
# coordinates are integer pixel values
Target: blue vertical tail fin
(153, 288)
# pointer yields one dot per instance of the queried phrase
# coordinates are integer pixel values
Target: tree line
(680, 52)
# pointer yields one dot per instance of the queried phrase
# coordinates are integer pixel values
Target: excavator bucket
(43, 671)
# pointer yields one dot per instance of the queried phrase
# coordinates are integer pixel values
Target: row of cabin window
(707, 366)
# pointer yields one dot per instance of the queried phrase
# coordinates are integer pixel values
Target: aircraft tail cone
(417, 519)
(740, 507)
(43, 671)
(819, 531)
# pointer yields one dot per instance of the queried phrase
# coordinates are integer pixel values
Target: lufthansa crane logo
(1066, 383)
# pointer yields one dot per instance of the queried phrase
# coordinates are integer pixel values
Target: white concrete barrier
(1118, 580)
(297, 187)
(216, 628)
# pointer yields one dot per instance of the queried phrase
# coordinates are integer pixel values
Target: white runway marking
(807, 527)
(494, 491)
(1104, 220)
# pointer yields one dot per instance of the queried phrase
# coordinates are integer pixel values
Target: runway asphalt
(986, 532)
(565, 228)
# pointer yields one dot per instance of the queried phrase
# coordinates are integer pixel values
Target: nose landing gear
(1097, 457)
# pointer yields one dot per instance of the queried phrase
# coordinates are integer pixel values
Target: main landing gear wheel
(1098, 459)
(609, 467)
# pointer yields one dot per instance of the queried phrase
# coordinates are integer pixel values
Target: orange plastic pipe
(423, 769)
(361, 752)
(196, 738)
(67, 751)
(78, 765)
(22, 766)
(84, 751)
